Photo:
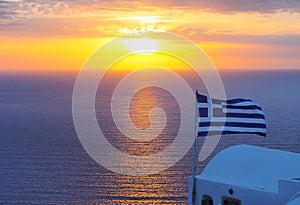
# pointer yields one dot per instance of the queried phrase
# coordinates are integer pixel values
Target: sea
(43, 162)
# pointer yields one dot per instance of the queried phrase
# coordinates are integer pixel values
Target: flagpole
(194, 151)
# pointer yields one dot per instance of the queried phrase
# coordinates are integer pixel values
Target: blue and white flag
(234, 116)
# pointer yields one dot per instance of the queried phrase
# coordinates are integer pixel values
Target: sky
(51, 35)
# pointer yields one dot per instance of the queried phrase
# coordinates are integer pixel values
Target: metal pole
(195, 150)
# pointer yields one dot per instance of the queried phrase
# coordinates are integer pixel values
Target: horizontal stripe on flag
(237, 100)
(229, 119)
(246, 103)
(226, 110)
(242, 115)
(243, 107)
(204, 134)
(232, 124)
(235, 129)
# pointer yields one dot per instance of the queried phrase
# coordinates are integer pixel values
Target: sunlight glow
(143, 19)
(142, 45)
(60, 36)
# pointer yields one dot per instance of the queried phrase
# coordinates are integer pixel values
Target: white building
(248, 175)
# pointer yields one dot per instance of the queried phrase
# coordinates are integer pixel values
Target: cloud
(265, 6)
(9, 7)
(14, 9)
(8, 10)
(190, 18)
(203, 34)
(260, 6)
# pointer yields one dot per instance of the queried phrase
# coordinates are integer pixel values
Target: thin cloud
(8, 10)
(13, 9)
(229, 6)
(99, 17)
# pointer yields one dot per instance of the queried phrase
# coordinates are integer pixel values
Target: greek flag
(229, 116)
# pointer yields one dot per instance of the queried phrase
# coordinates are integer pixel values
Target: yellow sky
(60, 35)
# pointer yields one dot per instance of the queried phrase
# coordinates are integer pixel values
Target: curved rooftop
(294, 202)
(252, 167)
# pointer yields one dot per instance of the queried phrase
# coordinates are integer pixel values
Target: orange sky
(61, 35)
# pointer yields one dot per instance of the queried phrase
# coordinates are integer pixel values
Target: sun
(142, 45)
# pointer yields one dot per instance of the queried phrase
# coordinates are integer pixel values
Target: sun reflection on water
(153, 189)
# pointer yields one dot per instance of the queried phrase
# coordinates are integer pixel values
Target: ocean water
(43, 162)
